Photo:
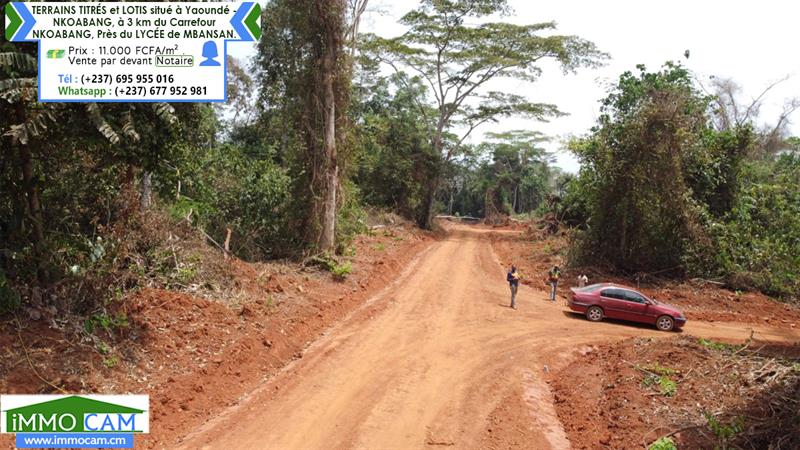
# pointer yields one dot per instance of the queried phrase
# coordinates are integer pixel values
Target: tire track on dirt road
(431, 366)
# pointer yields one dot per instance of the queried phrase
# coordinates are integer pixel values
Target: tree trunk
(146, 191)
(127, 202)
(514, 205)
(327, 236)
(33, 203)
(32, 194)
(450, 206)
(425, 218)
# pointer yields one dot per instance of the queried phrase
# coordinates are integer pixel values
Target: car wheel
(665, 323)
(594, 313)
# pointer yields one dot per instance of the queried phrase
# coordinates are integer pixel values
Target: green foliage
(9, 298)
(185, 275)
(666, 385)
(718, 346)
(660, 376)
(758, 240)
(661, 190)
(299, 35)
(239, 187)
(724, 432)
(111, 362)
(394, 158)
(103, 348)
(576, 202)
(341, 271)
(351, 219)
(67, 191)
(106, 322)
(664, 443)
(456, 59)
(508, 174)
(643, 215)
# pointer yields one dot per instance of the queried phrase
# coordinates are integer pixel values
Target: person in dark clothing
(513, 283)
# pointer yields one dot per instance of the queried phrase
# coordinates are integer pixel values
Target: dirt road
(430, 365)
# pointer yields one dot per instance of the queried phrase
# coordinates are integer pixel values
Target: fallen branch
(212, 240)
(702, 280)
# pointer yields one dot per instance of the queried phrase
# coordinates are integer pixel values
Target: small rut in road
(431, 366)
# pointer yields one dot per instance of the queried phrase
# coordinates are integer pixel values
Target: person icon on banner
(209, 53)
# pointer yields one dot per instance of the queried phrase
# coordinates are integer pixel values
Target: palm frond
(128, 127)
(101, 124)
(165, 112)
(14, 88)
(18, 62)
(33, 128)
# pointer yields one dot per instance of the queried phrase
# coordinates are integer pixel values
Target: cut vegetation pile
(681, 392)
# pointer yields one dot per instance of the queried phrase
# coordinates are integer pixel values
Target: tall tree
(394, 153)
(305, 83)
(636, 168)
(458, 60)
(731, 113)
(330, 14)
(520, 168)
(36, 133)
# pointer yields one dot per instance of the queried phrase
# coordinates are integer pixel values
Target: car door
(613, 302)
(636, 306)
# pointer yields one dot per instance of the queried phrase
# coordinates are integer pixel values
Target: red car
(614, 301)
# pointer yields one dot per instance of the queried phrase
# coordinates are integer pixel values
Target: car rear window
(589, 288)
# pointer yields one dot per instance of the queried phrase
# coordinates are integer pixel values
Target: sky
(754, 43)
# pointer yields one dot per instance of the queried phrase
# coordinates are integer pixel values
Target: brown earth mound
(195, 356)
(627, 395)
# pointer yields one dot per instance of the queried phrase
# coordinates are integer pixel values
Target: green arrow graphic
(13, 21)
(253, 21)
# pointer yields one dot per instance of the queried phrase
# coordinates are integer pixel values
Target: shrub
(9, 298)
(351, 218)
(341, 271)
(718, 346)
(642, 214)
(106, 322)
(229, 187)
(758, 241)
(724, 432)
(666, 386)
(664, 443)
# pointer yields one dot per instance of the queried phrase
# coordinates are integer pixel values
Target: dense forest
(676, 178)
